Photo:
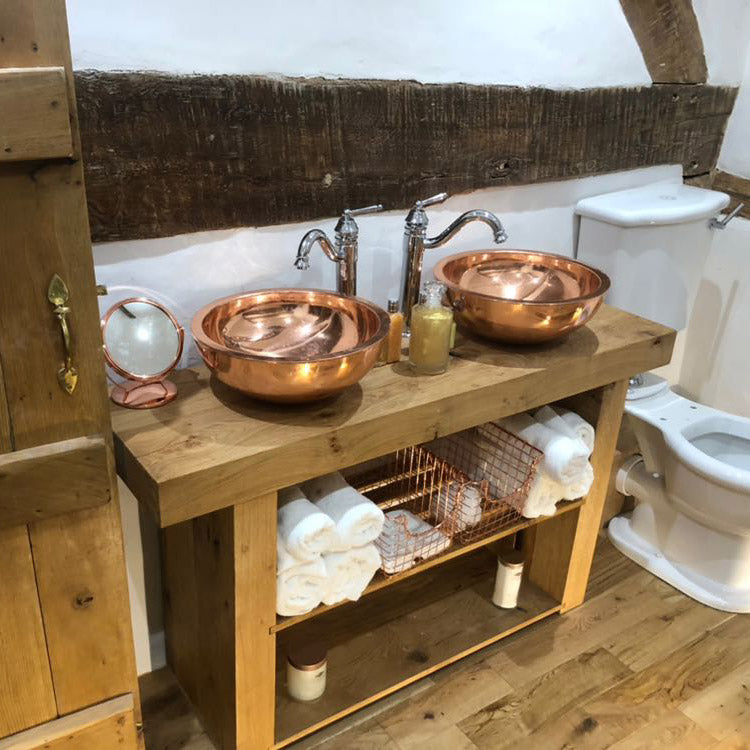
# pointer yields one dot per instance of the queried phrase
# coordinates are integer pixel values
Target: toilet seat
(683, 422)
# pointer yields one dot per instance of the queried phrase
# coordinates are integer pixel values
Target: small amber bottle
(395, 333)
(390, 351)
(431, 327)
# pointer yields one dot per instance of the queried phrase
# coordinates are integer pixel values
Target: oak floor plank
(419, 722)
(543, 648)
(664, 631)
(509, 721)
(673, 731)
(646, 696)
(724, 708)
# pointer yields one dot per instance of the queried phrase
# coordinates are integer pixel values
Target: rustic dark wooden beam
(668, 34)
(737, 187)
(166, 154)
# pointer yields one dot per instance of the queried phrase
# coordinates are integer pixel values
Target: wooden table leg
(220, 603)
(563, 547)
(255, 614)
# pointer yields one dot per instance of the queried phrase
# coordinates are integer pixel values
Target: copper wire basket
(506, 465)
(422, 496)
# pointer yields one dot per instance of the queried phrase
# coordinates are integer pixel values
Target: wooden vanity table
(209, 466)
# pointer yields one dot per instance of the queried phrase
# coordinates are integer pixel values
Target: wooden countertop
(213, 447)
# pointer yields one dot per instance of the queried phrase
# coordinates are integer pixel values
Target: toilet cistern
(416, 242)
(343, 251)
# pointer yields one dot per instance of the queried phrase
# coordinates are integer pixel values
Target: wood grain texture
(52, 479)
(36, 121)
(80, 569)
(670, 39)
(195, 455)
(737, 187)
(26, 693)
(564, 548)
(107, 725)
(44, 230)
(166, 154)
(220, 605)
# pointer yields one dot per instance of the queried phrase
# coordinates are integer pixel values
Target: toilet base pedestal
(698, 587)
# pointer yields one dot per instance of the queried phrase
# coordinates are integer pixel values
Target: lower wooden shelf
(381, 581)
(399, 635)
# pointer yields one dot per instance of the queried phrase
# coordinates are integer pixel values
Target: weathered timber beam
(167, 154)
(737, 187)
(668, 34)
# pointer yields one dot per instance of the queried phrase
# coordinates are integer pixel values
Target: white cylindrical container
(306, 671)
(508, 579)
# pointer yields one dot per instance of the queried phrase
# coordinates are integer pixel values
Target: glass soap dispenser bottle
(431, 331)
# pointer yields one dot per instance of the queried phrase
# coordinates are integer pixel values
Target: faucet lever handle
(366, 210)
(439, 198)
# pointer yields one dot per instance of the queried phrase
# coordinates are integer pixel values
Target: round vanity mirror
(143, 343)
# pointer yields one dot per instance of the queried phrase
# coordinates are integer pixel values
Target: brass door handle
(58, 295)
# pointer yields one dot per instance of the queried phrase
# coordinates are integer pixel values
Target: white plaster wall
(576, 43)
(735, 150)
(716, 358)
(725, 29)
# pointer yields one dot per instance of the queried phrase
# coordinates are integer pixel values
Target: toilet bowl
(691, 482)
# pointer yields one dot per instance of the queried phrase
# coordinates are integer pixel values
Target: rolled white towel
(564, 458)
(550, 418)
(580, 426)
(300, 585)
(349, 572)
(358, 520)
(406, 539)
(304, 530)
(469, 498)
(581, 485)
(543, 496)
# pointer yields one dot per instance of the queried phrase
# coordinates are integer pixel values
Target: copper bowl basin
(521, 296)
(290, 345)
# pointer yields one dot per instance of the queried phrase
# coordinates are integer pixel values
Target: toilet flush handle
(715, 223)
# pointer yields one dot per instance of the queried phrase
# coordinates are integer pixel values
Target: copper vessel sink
(521, 296)
(290, 345)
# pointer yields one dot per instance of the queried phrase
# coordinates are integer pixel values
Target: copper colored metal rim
(440, 275)
(210, 343)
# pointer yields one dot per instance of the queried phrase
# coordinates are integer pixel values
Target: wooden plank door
(65, 632)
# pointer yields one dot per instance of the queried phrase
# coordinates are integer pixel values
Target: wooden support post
(220, 605)
(563, 548)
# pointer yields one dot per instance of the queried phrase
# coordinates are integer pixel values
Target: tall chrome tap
(343, 251)
(416, 242)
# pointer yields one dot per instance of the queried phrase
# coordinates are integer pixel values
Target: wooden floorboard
(638, 666)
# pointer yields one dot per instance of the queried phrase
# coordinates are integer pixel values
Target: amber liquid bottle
(431, 329)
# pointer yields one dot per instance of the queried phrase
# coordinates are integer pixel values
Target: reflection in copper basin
(521, 296)
(290, 345)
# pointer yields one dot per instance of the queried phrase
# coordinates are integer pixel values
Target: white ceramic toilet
(691, 481)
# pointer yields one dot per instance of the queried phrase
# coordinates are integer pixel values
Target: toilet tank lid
(659, 203)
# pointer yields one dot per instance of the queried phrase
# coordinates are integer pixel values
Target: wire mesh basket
(506, 463)
(423, 496)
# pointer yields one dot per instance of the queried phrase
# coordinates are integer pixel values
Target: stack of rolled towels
(324, 546)
(565, 472)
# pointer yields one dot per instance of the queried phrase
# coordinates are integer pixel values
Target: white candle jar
(508, 580)
(306, 672)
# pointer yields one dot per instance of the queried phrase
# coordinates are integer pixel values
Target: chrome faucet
(416, 242)
(343, 251)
